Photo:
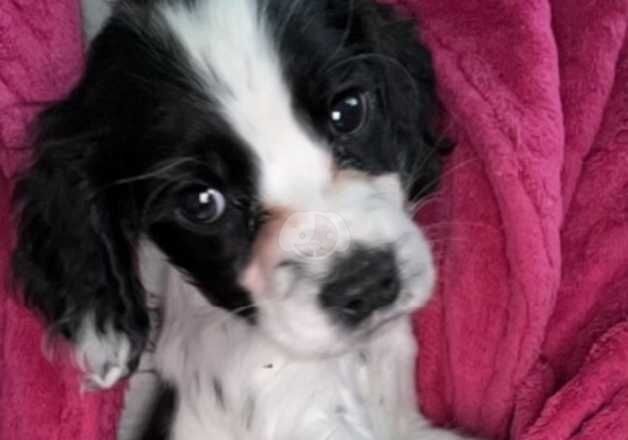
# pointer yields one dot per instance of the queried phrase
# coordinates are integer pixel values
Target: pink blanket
(40, 57)
(527, 337)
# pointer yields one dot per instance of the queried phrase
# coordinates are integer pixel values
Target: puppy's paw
(105, 355)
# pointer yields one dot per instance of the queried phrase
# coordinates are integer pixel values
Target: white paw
(103, 356)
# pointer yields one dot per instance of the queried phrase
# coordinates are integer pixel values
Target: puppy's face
(269, 149)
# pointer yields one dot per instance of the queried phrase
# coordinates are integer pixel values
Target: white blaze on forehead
(232, 47)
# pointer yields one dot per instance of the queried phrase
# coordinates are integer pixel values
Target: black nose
(361, 282)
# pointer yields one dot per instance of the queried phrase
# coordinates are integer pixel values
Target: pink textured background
(527, 336)
(40, 56)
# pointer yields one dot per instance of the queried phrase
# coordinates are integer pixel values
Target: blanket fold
(527, 335)
(537, 93)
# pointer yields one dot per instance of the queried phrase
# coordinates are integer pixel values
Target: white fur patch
(104, 356)
(230, 46)
(233, 383)
(360, 211)
(139, 399)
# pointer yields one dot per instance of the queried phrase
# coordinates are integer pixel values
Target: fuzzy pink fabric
(527, 337)
(40, 56)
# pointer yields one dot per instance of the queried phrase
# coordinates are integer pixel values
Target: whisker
(414, 208)
(160, 173)
(444, 224)
(447, 173)
(156, 173)
(417, 169)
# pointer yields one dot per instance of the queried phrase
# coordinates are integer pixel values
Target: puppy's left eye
(201, 205)
(348, 112)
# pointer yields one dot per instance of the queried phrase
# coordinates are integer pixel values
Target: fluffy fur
(258, 155)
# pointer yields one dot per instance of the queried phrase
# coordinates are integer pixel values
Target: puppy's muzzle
(363, 281)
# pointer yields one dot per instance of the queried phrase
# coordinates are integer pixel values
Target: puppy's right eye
(200, 205)
(348, 112)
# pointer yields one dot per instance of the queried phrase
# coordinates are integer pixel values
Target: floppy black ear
(77, 232)
(75, 253)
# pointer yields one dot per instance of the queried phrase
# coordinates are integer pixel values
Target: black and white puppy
(253, 160)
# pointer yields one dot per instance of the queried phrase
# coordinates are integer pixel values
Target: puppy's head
(268, 148)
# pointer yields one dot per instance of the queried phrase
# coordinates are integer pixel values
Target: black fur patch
(159, 422)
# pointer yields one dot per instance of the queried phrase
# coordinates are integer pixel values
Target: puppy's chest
(253, 391)
(271, 398)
